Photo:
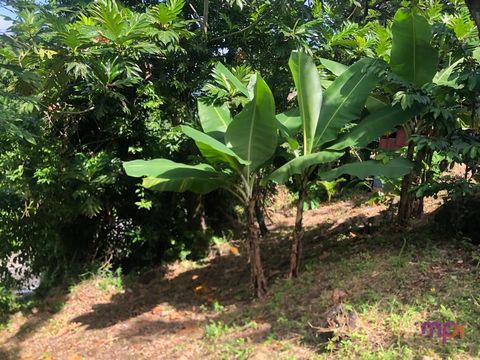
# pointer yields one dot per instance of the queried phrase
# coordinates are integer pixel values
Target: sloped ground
(395, 280)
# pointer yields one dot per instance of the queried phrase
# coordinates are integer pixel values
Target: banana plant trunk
(296, 252)
(404, 205)
(259, 282)
(261, 219)
(410, 206)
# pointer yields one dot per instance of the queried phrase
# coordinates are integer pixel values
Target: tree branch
(474, 8)
(260, 18)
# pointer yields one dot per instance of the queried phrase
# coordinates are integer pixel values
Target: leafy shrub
(8, 303)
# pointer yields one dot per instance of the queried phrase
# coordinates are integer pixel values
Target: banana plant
(414, 59)
(412, 56)
(322, 117)
(235, 150)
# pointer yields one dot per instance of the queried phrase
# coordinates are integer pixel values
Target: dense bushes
(8, 304)
(83, 81)
(85, 87)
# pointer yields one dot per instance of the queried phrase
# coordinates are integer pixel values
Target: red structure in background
(395, 140)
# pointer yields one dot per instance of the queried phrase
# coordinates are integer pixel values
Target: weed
(110, 279)
(236, 349)
(215, 329)
(217, 307)
(446, 313)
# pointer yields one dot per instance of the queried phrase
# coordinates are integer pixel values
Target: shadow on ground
(370, 259)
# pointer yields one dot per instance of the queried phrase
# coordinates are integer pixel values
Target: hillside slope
(394, 281)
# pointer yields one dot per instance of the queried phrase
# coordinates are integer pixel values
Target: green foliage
(166, 175)
(374, 126)
(345, 98)
(110, 280)
(8, 303)
(300, 164)
(320, 191)
(84, 87)
(251, 141)
(76, 95)
(392, 169)
(343, 103)
(458, 148)
(214, 119)
(215, 329)
(252, 134)
(309, 95)
(413, 57)
(214, 151)
(228, 86)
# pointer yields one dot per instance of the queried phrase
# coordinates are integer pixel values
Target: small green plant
(319, 191)
(226, 238)
(236, 349)
(217, 307)
(446, 313)
(215, 329)
(110, 279)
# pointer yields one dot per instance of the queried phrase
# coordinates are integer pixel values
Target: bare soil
(204, 310)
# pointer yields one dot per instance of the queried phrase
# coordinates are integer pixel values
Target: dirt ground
(203, 310)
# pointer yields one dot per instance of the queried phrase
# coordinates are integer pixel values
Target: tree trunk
(404, 205)
(259, 282)
(474, 8)
(410, 206)
(195, 212)
(205, 16)
(260, 219)
(296, 251)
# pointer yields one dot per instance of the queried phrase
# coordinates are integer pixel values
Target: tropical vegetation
(135, 134)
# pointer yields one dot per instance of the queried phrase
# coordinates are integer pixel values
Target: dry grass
(395, 280)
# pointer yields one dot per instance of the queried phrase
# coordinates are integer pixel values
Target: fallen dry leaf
(201, 289)
(234, 251)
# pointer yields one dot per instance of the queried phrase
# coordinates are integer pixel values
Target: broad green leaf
(232, 78)
(374, 126)
(252, 134)
(412, 55)
(167, 175)
(300, 164)
(309, 95)
(476, 54)
(444, 77)
(110, 17)
(334, 67)
(159, 167)
(373, 103)
(213, 150)
(338, 69)
(291, 121)
(214, 119)
(393, 169)
(345, 99)
(186, 183)
(288, 128)
(326, 83)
